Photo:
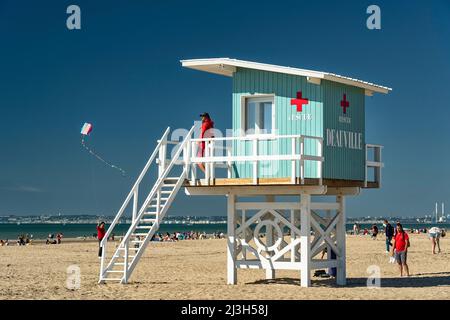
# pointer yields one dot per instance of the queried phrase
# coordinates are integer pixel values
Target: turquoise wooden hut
(295, 132)
(272, 101)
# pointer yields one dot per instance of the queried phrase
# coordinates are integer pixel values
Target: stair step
(162, 199)
(140, 234)
(147, 220)
(122, 257)
(144, 227)
(137, 241)
(131, 248)
(111, 279)
(114, 271)
(148, 213)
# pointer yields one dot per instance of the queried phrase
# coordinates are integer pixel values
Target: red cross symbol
(299, 102)
(345, 104)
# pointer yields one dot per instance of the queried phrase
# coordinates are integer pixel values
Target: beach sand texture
(197, 270)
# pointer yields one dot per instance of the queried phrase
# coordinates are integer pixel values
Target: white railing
(164, 169)
(134, 193)
(376, 163)
(297, 156)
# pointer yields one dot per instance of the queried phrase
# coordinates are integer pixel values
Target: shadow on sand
(420, 280)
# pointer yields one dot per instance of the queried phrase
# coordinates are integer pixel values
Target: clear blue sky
(122, 73)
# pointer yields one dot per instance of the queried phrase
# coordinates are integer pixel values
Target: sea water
(42, 230)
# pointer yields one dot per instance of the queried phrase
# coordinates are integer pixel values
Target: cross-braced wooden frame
(295, 238)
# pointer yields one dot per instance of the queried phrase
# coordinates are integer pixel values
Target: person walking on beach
(356, 229)
(389, 233)
(435, 234)
(207, 126)
(400, 249)
(100, 235)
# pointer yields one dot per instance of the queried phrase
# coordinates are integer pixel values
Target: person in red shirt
(206, 132)
(400, 249)
(100, 235)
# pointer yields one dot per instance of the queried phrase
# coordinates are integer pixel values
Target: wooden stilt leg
(231, 243)
(328, 219)
(305, 241)
(340, 242)
(270, 272)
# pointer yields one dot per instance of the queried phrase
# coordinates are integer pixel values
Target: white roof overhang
(227, 66)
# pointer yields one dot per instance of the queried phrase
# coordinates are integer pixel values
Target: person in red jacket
(400, 249)
(206, 132)
(100, 235)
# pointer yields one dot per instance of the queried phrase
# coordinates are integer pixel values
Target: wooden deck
(334, 183)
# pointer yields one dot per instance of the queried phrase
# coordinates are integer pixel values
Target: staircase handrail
(136, 185)
(158, 184)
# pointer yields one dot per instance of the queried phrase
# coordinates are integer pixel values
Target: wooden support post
(270, 272)
(378, 169)
(255, 162)
(125, 264)
(319, 163)
(244, 250)
(302, 162)
(211, 164)
(231, 242)
(162, 157)
(293, 237)
(229, 164)
(340, 242)
(194, 153)
(293, 162)
(328, 219)
(305, 240)
(135, 203)
(207, 164)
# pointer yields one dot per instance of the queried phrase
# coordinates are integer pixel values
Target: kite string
(100, 158)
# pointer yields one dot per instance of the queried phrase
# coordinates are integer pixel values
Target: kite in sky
(85, 131)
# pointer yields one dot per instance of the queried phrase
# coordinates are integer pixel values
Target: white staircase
(147, 217)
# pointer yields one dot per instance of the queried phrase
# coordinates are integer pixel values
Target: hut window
(258, 115)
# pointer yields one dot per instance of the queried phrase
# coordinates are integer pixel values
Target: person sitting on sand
(21, 240)
(50, 239)
(100, 235)
(435, 234)
(374, 232)
(400, 247)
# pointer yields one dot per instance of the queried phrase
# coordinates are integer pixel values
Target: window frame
(257, 98)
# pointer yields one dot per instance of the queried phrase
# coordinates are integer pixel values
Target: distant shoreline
(40, 231)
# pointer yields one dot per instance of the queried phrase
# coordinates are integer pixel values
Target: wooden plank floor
(278, 182)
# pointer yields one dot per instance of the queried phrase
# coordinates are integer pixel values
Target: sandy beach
(197, 270)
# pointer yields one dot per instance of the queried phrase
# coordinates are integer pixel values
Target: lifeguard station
(296, 134)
